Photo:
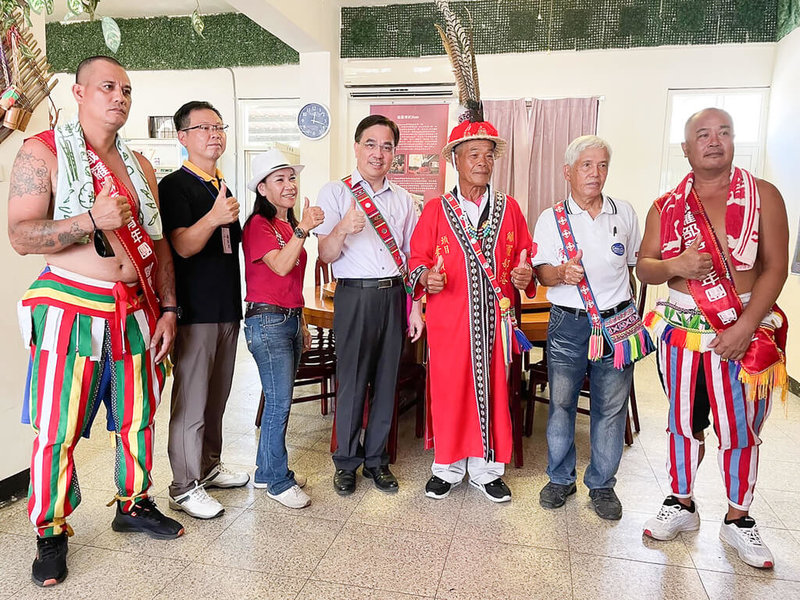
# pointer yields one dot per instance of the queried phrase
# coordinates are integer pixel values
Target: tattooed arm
(31, 229)
(164, 334)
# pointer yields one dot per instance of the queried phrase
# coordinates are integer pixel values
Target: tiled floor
(373, 546)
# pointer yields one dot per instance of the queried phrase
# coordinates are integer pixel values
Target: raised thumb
(439, 264)
(223, 190)
(523, 258)
(578, 257)
(695, 243)
(106, 186)
(353, 205)
(306, 204)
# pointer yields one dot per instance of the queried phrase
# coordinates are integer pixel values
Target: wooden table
(535, 311)
(319, 307)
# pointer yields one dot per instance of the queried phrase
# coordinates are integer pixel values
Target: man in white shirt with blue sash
(605, 238)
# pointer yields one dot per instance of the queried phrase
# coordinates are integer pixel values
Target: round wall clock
(314, 120)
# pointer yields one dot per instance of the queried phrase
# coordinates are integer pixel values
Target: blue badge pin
(618, 249)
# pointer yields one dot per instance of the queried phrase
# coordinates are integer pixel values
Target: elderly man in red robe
(469, 251)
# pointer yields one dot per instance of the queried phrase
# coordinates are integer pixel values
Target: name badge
(227, 248)
(618, 249)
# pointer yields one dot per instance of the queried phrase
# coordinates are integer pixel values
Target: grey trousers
(369, 326)
(204, 356)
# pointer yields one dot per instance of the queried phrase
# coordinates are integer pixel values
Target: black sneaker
(554, 495)
(145, 517)
(496, 491)
(606, 504)
(50, 565)
(438, 488)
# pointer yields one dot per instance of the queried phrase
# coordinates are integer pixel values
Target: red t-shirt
(264, 284)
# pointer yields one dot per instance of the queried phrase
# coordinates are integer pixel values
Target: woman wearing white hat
(275, 262)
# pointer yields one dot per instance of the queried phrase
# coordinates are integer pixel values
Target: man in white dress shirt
(607, 235)
(370, 305)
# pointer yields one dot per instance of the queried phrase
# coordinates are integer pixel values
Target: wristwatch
(174, 309)
(300, 233)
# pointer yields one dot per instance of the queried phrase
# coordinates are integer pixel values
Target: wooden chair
(410, 386)
(318, 364)
(515, 393)
(315, 368)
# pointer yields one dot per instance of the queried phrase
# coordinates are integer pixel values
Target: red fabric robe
(468, 392)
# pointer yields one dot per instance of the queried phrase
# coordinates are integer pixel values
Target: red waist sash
(764, 363)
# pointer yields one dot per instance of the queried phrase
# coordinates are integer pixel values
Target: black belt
(579, 312)
(259, 308)
(370, 283)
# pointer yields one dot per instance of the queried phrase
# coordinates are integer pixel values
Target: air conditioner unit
(408, 90)
(426, 77)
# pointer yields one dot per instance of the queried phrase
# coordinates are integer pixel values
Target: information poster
(417, 164)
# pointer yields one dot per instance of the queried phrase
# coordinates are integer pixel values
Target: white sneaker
(747, 542)
(197, 503)
(672, 518)
(223, 477)
(300, 480)
(294, 497)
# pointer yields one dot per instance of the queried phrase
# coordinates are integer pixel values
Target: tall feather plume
(457, 43)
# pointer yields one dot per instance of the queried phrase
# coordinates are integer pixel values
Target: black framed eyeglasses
(206, 128)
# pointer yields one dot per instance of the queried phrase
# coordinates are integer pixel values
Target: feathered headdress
(457, 43)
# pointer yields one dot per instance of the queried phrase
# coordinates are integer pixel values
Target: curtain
(532, 169)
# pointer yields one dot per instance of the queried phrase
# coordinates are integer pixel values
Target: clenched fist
(434, 280)
(573, 270)
(694, 264)
(110, 212)
(225, 210)
(354, 220)
(521, 274)
(313, 216)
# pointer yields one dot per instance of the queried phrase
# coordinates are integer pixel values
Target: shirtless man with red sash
(720, 240)
(100, 318)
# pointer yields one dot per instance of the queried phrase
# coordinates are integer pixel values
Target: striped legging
(73, 327)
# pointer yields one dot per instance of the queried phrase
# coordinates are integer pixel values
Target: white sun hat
(269, 162)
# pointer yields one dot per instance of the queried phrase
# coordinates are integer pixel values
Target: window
(265, 124)
(747, 106)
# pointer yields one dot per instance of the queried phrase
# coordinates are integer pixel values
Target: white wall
(18, 273)
(634, 84)
(783, 157)
(160, 93)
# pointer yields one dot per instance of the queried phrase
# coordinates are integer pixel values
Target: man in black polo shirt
(201, 219)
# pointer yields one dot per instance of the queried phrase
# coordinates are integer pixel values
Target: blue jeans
(276, 342)
(567, 366)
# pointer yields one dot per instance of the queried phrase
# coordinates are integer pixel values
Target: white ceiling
(155, 8)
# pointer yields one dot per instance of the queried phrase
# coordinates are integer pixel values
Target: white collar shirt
(610, 244)
(473, 210)
(364, 255)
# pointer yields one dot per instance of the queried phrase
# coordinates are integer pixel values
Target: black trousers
(369, 325)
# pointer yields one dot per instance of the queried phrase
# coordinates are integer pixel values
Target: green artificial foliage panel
(788, 16)
(500, 26)
(166, 43)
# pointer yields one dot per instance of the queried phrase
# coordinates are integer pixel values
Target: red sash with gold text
(763, 365)
(134, 239)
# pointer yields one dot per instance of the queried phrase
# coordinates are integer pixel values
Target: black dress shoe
(344, 482)
(383, 478)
